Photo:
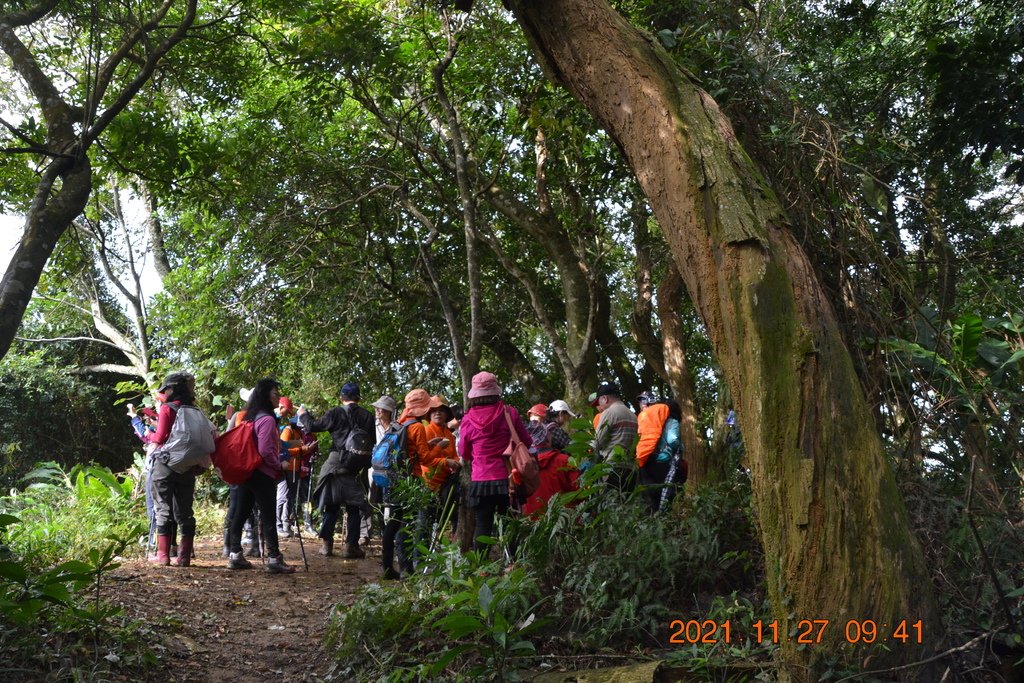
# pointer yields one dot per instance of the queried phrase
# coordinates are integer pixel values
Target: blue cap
(350, 391)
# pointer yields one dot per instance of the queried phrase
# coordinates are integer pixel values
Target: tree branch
(144, 73)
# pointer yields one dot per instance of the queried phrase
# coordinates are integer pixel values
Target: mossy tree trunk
(834, 527)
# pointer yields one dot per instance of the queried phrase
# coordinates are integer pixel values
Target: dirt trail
(239, 625)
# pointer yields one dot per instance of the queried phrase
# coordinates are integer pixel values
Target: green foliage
(461, 615)
(607, 589)
(48, 413)
(596, 571)
(64, 515)
(67, 532)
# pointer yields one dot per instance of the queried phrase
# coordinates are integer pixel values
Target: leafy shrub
(459, 616)
(68, 530)
(596, 571)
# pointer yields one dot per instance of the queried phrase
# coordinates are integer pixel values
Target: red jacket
(556, 476)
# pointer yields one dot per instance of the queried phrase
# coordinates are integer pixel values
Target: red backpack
(235, 456)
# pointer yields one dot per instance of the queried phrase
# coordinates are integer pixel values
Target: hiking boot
(276, 565)
(354, 552)
(254, 551)
(238, 561)
(364, 540)
(184, 558)
(163, 547)
(327, 547)
(174, 550)
(391, 575)
(309, 529)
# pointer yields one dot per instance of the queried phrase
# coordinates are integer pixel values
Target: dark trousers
(172, 500)
(485, 512)
(652, 477)
(395, 534)
(234, 496)
(261, 491)
(353, 515)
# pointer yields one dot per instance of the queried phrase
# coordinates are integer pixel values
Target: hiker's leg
(244, 500)
(265, 491)
(282, 505)
(355, 516)
(184, 497)
(150, 507)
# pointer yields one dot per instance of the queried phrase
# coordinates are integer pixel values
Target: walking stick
(298, 526)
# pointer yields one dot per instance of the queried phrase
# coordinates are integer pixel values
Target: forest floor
(215, 624)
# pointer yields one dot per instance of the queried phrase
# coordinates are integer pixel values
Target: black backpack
(358, 445)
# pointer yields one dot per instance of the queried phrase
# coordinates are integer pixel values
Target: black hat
(606, 389)
(177, 377)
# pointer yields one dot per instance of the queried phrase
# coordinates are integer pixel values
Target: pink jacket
(484, 436)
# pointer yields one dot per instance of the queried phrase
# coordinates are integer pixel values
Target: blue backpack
(390, 452)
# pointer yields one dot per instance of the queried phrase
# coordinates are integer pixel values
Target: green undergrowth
(596, 576)
(59, 539)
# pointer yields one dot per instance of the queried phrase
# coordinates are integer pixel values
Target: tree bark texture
(48, 218)
(833, 524)
(673, 342)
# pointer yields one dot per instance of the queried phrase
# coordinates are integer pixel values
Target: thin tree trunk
(673, 340)
(832, 521)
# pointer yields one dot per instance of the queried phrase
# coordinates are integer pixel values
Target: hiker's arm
(268, 442)
(324, 423)
(165, 418)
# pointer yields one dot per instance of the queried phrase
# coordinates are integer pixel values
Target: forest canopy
(808, 215)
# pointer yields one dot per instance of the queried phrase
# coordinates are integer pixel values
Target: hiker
(484, 437)
(295, 460)
(384, 412)
(260, 488)
(144, 426)
(556, 474)
(338, 484)
(615, 425)
(177, 459)
(440, 469)
(251, 536)
(414, 438)
(536, 413)
(658, 448)
(558, 417)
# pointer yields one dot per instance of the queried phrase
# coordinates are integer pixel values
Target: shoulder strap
(514, 436)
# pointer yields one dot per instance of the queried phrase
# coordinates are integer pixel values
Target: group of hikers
(514, 466)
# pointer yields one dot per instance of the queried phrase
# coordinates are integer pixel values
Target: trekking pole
(298, 526)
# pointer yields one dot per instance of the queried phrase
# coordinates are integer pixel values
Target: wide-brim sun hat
(417, 403)
(484, 384)
(385, 403)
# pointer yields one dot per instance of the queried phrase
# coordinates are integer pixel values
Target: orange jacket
(418, 448)
(650, 422)
(436, 472)
(297, 455)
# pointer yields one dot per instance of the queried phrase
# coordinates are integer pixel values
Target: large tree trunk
(833, 525)
(48, 218)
